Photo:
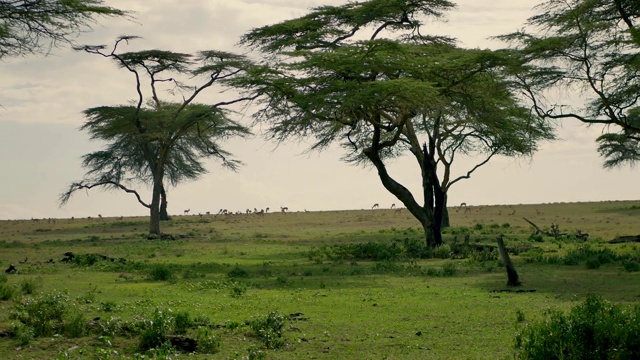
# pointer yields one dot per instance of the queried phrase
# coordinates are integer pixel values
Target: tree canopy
(35, 26)
(158, 142)
(362, 75)
(592, 47)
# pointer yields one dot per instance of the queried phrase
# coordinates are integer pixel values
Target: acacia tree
(394, 92)
(154, 141)
(35, 26)
(592, 46)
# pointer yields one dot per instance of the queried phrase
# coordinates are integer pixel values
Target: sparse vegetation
(324, 284)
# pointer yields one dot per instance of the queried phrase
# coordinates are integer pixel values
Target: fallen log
(625, 239)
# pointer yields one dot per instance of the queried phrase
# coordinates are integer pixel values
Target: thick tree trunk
(512, 275)
(445, 223)
(154, 210)
(164, 215)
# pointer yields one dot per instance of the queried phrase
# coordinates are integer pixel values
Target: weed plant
(269, 329)
(595, 329)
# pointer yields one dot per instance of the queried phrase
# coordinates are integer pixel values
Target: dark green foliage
(43, 313)
(34, 27)
(6, 291)
(208, 343)
(595, 329)
(155, 330)
(182, 322)
(238, 272)
(591, 45)
(631, 265)
(160, 272)
(269, 329)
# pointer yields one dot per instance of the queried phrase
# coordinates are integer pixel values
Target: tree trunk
(445, 213)
(154, 210)
(164, 215)
(512, 275)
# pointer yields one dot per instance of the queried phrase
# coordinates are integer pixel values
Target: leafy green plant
(182, 322)
(160, 272)
(42, 313)
(269, 329)
(595, 329)
(6, 291)
(30, 286)
(238, 272)
(155, 330)
(75, 325)
(208, 343)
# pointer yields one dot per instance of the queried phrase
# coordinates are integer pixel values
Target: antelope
(376, 205)
(187, 211)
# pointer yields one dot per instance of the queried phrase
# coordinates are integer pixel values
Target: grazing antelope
(376, 205)
(284, 209)
(393, 206)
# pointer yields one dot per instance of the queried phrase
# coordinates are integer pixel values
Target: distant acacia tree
(363, 75)
(35, 26)
(153, 142)
(592, 47)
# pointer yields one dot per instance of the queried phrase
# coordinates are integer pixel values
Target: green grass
(312, 269)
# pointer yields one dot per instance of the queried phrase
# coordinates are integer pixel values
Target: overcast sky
(41, 100)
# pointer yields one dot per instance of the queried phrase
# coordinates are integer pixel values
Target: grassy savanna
(336, 284)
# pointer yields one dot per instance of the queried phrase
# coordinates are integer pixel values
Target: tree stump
(512, 275)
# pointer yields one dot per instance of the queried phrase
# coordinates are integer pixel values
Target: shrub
(449, 269)
(160, 272)
(595, 329)
(30, 286)
(183, 322)
(207, 342)
(631, 265)
(155, 330)
(42, 313)
(6, 291)
(75, 325)
(269, 330)
(238, 272)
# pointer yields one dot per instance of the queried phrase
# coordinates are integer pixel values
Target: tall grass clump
(156, 329)
(160, 272)
(43, 314)
(595, 329)
(6, 290)
(269, 329)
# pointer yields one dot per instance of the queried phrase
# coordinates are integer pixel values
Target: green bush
(160, 272)
(155, 330)
(269, 330)
(207, 342)
(75, 325)
(631, 265)
(595, 329)
(183, 322)
(6, 291)
(43, 313)
(30, 286)
(238, 272)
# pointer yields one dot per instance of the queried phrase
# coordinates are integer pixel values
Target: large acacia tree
(591, 47)
(363, 75)
(159, 142)
(35, 26)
